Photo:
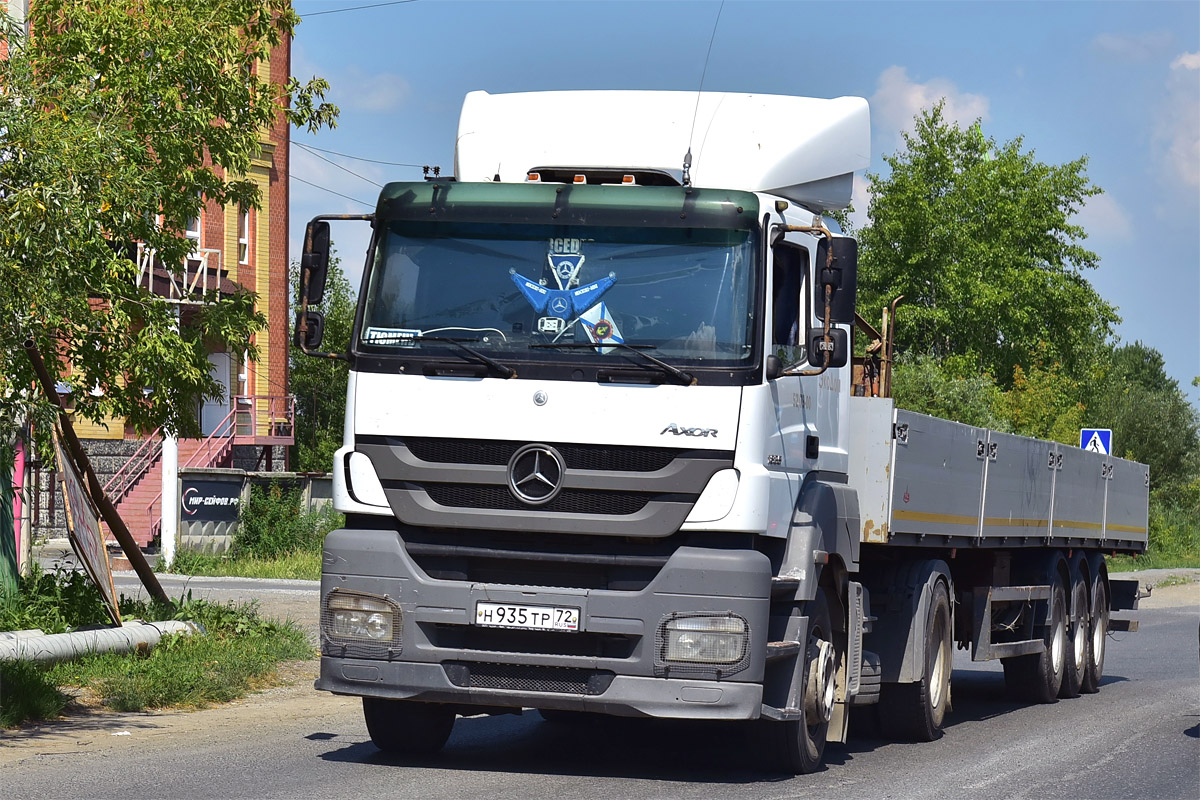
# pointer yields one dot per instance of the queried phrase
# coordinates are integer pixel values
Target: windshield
(535, 292)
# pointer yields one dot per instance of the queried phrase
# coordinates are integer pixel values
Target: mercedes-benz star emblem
(535, 474)
(540, 398)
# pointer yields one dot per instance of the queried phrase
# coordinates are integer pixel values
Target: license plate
(537, 618)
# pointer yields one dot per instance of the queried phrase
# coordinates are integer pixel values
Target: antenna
(687, 158)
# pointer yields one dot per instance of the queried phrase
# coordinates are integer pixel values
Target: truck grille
(569, 501)
(526, 678)
(576, 456)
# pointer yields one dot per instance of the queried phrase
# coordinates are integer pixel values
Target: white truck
(602, 452)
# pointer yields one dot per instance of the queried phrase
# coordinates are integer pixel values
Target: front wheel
(801, 743)
(406, 727)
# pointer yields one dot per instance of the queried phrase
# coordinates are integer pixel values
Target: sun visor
(799, 148)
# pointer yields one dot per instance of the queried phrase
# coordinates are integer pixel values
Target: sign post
(1096, 440)
(83, 528)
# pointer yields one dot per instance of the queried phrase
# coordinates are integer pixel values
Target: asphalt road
(1138, 738)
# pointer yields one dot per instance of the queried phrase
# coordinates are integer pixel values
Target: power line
(359, 158)
(295, 177)
(356, 8)
(339, 166)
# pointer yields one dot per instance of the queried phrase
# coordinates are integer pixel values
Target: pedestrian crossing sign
(1096, 440)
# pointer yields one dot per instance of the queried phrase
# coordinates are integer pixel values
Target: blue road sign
(1096, 440)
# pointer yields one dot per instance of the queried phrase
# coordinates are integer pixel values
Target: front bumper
(613, 665)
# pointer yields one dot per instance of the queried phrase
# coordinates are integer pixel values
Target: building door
(214, 411)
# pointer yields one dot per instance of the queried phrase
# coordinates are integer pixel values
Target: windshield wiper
(685, 378)
(503, 370)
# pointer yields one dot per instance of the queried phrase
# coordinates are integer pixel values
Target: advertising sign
(83, 528)
(210, 501)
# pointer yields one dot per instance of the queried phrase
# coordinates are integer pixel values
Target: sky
(1118, 82)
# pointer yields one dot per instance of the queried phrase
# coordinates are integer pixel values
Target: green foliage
(300, 565)
(924, 384)
(977, 237)
(117, 112)
(1151, 419)
(319, 384)
(273, 525)
(239, 652)
(54, 602)
(26, 692)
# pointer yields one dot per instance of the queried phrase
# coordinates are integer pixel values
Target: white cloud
(1104, 219)
(1133, 47)
(1187, 61)
(1177, 134)
(897, 100)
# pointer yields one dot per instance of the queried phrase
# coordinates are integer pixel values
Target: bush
(54, 601)
(27, 693)
(272, 524)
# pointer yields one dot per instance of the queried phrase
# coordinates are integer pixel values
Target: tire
(406, 727)
(800, 744)
(1078, 641)
(1097, 636)
(916, 711)
(1039, 677)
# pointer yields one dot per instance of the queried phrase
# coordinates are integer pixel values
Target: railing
(189, 284)
(132, 471)
(266, 419)
(269, 416)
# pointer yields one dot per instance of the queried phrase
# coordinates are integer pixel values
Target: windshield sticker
(404, 337)
(566, 268)
(598, 324)
(560, 302)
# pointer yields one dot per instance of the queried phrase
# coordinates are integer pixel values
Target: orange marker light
(581, 178)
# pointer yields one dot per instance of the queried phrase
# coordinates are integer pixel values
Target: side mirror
(843, 276)
(836, 351)
(773, 367)
(310, 330)
(314, 263)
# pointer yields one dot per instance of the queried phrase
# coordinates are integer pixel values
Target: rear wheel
(1078, 635)
(1038, 677)
(800, 743)
(916, 711)
(407, 727)
(1097, 633)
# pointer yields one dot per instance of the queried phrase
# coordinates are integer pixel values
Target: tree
(1150, 416)
(977, 237)
(319, 384)
(114, 115)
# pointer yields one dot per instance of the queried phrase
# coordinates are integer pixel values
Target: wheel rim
(937, 672)
(1057, 643)
(1079, 637)
(1099, 623)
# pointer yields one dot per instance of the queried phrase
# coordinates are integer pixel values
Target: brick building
(250, 425)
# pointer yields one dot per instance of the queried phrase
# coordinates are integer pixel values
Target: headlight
(353, 616)
(706, 640)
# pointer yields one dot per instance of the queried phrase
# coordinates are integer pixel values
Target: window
(788, 273)
(192, 230)
(243, 232)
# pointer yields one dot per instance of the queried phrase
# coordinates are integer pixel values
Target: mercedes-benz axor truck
(604, 450)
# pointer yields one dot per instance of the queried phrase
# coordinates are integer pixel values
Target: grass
(1152, 560)
(26, 694)
(298, 565)
(239, 653)
(274, 539)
